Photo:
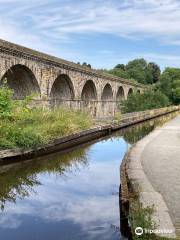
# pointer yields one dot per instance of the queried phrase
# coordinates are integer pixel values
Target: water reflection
(19, 180)
(70, 196)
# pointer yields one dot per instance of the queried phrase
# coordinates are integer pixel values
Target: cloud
(61, 19)
(57, 26)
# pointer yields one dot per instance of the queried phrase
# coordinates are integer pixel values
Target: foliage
(149, 99)
(120, 66)
(25, 127)
(155, 73)
(138, 69)
(119, 73)
(170, 84)
(117, 116)
(149, 73)
(20, 181)
(141, 217)
(6, 101)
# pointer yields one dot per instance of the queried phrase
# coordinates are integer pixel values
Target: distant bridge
(56, 81)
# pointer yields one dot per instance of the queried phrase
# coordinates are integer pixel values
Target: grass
(30, 128)
(143, 217)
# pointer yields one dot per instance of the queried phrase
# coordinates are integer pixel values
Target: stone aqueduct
(55, 81)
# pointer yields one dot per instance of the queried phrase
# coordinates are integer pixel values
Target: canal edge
(68, 142)
(135, 184)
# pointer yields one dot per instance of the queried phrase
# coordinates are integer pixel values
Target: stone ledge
(144, 189)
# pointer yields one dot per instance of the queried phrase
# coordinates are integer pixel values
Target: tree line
(138, 69)
(163, 87)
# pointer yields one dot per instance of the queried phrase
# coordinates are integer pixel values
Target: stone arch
(62, 88)
(130, 92)
(88, 97)
(139, 91)
(107, 101)
(62, 91)
(107, 93)
(89, 91)
(120, 94)
(22, 81)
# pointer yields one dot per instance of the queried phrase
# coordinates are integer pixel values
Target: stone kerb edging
(140, 184)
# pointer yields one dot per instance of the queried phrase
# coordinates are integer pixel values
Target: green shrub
(141, 217)
(150, 99)
(25, 127)
(6, 102)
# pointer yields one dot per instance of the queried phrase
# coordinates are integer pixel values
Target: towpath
(153, 168)
(161, 163)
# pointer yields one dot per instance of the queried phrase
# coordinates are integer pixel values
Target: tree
(150, 99)
(170, 84)
(155, 70)
(120, 66)
(119, 73)
(176, 91)
(137, 69)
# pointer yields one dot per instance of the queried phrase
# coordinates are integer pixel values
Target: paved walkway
(160, 161)
(153, 168)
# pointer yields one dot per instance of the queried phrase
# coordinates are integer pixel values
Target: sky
(100, 32)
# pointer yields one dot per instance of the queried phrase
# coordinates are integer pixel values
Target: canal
(74, 196)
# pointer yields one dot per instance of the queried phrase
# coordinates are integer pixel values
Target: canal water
(74, 196)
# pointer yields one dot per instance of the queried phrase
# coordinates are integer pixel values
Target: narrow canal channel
(74, 196)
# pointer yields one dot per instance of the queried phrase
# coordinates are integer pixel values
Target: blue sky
(99, 32)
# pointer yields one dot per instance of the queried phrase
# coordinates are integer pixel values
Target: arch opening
(89, 91)
(120, 94)
(62, 91)
(62, 88)
(130, 92)
(88, 95)
(107, 93)
(107, 101)
(138, 91)
(22, 81)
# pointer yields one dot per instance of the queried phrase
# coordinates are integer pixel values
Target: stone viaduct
(54, 81)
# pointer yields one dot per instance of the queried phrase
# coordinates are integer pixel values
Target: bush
(25, 127)
(141, 217)
(6, 102)
(150, 99)
(35, 127)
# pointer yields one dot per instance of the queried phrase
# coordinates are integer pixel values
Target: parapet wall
(58, 62)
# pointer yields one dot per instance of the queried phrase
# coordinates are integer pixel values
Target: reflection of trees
(21, 179)
(13, 185)
(138, 131)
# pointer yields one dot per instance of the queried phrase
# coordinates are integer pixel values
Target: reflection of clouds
(83, 198)
(97, 210)
(94, 215)
(91, 179)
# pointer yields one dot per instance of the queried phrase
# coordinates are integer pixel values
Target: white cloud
(59, 19)
(44, 25)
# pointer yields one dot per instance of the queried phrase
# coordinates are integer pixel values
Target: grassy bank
(25, 127)
(143, 217)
